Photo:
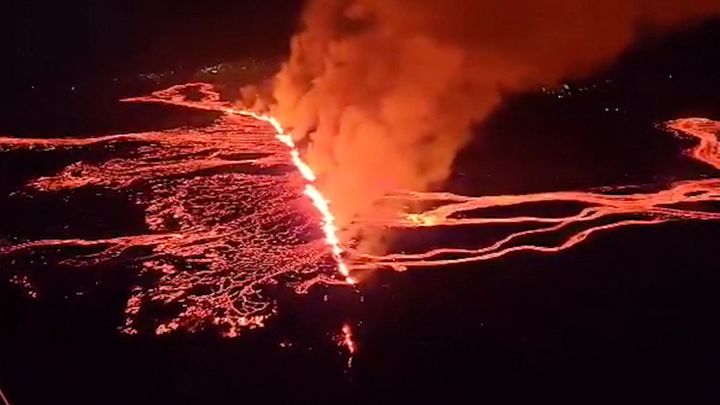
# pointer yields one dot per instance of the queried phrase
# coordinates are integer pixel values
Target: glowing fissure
(211, 101)
(221, 227)
(320, 202)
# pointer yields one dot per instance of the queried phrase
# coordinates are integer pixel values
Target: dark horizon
(73, 40)
(86, 39)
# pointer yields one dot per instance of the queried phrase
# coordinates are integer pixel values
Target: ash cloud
(382, 93)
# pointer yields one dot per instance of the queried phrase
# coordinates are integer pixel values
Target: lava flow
(611, 209)
(224, 210)
(211, 101)
(231, 209)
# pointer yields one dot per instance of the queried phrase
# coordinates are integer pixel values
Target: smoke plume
(382, 93)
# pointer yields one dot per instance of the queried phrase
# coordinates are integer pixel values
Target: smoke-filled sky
(384, 92)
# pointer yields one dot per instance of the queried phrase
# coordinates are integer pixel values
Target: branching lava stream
(611, 209)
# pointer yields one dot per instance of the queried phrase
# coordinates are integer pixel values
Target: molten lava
(211, 101)
(225, 211)
(602, 211)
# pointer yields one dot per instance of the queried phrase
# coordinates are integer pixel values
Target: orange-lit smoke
(381, 94)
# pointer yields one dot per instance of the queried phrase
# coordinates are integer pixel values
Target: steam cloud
(382, 93)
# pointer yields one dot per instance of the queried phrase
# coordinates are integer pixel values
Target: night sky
(68, 40)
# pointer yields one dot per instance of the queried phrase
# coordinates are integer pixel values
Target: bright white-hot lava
(320, 202)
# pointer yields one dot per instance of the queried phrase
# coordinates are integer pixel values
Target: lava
(231, 209)
(211, 101)
(611, 209)
(225, 212)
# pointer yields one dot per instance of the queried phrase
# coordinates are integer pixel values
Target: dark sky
(63, 42)
(70, 39)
